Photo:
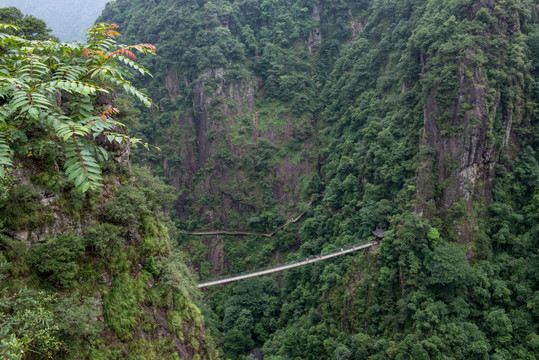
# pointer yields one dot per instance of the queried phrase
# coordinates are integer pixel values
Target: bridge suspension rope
(281, 267)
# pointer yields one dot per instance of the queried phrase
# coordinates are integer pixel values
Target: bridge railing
(277, 266)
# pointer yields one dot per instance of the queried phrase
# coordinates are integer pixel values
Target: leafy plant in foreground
(50, 96)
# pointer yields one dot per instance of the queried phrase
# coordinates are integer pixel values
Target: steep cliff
(87, 266)
(97, 273)
(238, 103)
(472, 111)
(412, 116)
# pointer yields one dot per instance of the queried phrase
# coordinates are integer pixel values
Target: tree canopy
(29, 27)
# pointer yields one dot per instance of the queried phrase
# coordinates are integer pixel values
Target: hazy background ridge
(66, 18)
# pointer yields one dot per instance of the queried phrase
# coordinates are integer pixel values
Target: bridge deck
(309, 260)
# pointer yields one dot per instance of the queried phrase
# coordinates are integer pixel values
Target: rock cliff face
(464, 155)
(232, 146)
(122, 262)
(466, 130)
(464, 152)
(222, 128)
(210, 106)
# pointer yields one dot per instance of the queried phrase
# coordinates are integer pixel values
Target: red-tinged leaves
(144, 47)
(150, 47)
(87, 52)
(126, 53)
(38, 71)
(112, 33)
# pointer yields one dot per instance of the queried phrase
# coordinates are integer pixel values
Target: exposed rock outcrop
(459, 144)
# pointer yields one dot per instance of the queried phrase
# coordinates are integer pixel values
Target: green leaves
(130, 89)
(4, 27)
(49, 94)
(5, 156)
(66, 131)
(72, 86)
(81, 166)
(134, 65)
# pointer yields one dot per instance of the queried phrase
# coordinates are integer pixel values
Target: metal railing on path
(281, 267)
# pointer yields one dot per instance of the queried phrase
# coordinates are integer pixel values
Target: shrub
(103, 238)
(120, 306)
(22, 209)
(155, 238)
(126, 207)
(57, 259)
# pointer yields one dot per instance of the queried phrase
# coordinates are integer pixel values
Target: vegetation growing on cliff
(422, 118)
(87, 271)
(417, 117)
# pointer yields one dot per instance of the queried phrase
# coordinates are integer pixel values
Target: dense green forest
(416, 117)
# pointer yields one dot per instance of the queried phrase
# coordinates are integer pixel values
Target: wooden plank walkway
(307, 261)
(248, 233)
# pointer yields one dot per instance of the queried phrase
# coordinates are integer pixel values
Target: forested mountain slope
(87, 265)
(418, 117)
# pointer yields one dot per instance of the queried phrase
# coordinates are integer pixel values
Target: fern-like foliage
(5, 156)
(48, 94)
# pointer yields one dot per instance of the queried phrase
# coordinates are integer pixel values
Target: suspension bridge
(281, 267)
